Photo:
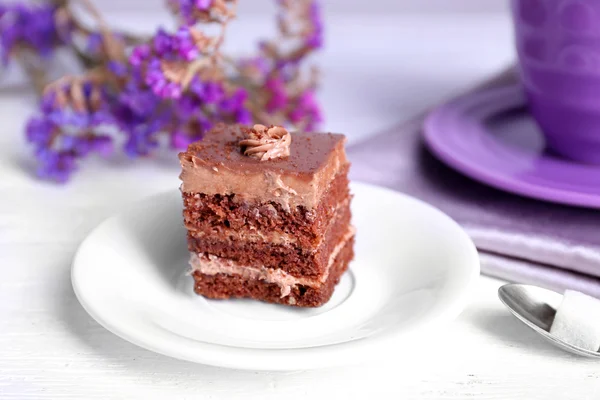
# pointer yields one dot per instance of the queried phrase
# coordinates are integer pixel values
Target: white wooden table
(51, 349)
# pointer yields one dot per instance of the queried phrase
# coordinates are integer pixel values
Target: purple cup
(558, 43)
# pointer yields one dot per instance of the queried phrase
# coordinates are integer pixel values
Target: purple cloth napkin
(520, 240)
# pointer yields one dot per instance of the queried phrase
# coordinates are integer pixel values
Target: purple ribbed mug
(558, 43)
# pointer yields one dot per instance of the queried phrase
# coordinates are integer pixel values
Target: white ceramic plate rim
(294, 358)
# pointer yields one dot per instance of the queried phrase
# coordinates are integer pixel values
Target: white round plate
(413, 270)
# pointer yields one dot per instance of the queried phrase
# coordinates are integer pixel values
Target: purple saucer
(490, 137)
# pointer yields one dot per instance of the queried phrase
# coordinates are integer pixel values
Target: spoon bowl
(536, 307)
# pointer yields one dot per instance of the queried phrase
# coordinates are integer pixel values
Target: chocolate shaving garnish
(267, 143)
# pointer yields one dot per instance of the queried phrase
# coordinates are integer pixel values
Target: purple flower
(307, 110)
(65, 133)
(102, 145)
(141, 116)
(135, 100)
(94, 42)
(235, 102)
(315, 38)
(139, 55)
(58, 152)
(235, 107)
(203, 5)
(118, 68)
(39, 131)
(171, 47)
(180, 140)
(92, 115)
(188, 9)
(33, 26)
(187, 107)
(279, 97)
(55, 165)
(184, 44)
(83, 145)
(162, 43)
(166, 49)
(243, 116)
(79, 146)
(207, 92)
(189, 132)
(203, 105)
(160, 84)
(138, 115)
(141, 142)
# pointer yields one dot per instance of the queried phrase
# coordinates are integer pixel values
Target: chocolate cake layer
(222, 286)
(291, 258)
(205, 213)
(216, 166)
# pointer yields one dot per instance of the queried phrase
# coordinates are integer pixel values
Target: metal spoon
(536, 308)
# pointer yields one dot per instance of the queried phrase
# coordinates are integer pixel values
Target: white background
(379, 70)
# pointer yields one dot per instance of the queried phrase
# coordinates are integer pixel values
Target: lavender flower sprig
(70, 127)
(36, 27)
(176, 84)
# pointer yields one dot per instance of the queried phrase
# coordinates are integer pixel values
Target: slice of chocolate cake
(267, 214)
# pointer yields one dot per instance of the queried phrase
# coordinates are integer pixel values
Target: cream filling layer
(209, 264)
(247, 235)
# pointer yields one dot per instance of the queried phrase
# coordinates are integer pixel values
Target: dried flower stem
(36, 75)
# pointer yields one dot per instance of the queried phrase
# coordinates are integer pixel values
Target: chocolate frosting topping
(217, 165)
(267, 143)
